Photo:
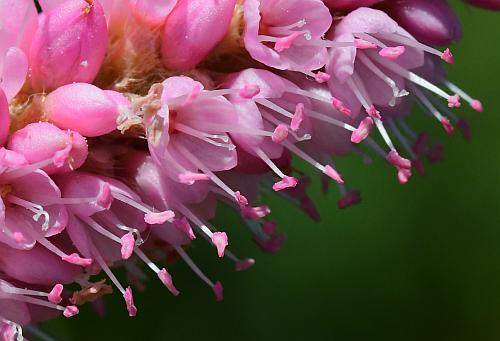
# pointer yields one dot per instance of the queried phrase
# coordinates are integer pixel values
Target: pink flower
(28, 213)
(69, 45)
(287, 34)
(187, 135)
(192, 30)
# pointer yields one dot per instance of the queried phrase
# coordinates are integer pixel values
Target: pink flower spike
(286, 182)
(447, 56)
(285, 43)
(448, 127)
(128, 245)
(218, 291)
(220, 241)
(55, 294)
(364, 45)
(105, 197)
(332, 173)
(244, 264)
(454, 101)
(397, 161)
(241, 199)
(298, 117)
(190, 178)
(183, 225)
(374, 113)
(349, 199)
(404, 175)
(75, 259)
(253, 213)
(363, 130)
(166, 279)
(71, 311)
(153, 218)
(280, 133)
(339, 105)
(392, 52)
(249, 91)
(476, 105)
(464, 128)
(129, 300)
(321, 77)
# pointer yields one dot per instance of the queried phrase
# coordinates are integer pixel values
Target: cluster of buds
(123, 124)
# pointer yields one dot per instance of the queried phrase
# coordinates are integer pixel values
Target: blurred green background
(414, 262)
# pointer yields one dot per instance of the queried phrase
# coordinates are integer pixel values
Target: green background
(414, 262)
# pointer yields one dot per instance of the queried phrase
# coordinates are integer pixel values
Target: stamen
(396, 93)
(162, 274)
(446, 55)
(412, 77)
(474, 103)
(286, 181)
(364, 45)
(328, 170)
(428, 107)
(370, 39)
(205, 137)
(127, 293)
(217, 287)
(38, 210)
(73, 258)
(219, 239)
(280, 133)
(298, 117)
(392, 52)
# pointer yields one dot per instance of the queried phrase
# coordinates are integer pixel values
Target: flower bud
(493, 5)
(42, 140)
(192, 30)
(69, 45)
(83, 108)
(429, 21)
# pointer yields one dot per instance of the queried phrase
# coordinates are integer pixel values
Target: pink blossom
(287, 34)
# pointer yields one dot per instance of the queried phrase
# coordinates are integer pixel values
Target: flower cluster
(123, 124)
